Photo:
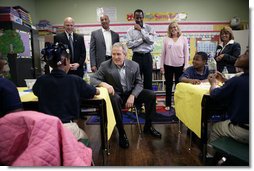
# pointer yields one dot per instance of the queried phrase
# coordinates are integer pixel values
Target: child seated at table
(10, 100)
(198, 72)
(235, 94)
(59, 94)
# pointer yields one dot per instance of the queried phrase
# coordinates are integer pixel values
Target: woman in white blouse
(174, 58)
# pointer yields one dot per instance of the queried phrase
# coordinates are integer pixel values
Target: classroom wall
(84, 11)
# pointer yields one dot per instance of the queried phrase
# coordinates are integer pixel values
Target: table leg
(179, 126)
(104, 132)
(190, 140)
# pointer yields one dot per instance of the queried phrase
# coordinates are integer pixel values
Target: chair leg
(139, 141)
(221, 161)
(190, 139)
(179, 126)
(139, 126)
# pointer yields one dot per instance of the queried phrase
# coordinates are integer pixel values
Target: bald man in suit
(101, 43)
(77, 51)
(122, 79)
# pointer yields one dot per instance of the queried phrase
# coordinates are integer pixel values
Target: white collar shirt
(67, 34)
(122, 74)
(108, 41)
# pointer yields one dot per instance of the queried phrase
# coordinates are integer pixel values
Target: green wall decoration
(10, 42)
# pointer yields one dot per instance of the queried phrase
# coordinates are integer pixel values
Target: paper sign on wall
(110, 11)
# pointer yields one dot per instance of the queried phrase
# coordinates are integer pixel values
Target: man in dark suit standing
(122, 79)
(76, 46)
(101, 43)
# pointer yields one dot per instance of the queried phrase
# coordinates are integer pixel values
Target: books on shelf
(10, 17)
(9, 10)
(156, 75)
(15, 14)
(10, 14)
(24, 15)
(158, 86)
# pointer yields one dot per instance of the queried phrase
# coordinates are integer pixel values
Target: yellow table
(188, 99)
(28, 96)
(110, 113)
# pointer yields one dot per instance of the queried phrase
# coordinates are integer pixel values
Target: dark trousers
(169, 72)
(118, 101)
(145, 62)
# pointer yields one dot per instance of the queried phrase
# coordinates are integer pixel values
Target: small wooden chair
(134, 111)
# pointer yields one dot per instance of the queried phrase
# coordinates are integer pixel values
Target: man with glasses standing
(76, 46)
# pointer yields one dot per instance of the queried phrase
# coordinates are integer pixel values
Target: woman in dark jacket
(227, 51)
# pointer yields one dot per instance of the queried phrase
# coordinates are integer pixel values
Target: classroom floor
(171, 150)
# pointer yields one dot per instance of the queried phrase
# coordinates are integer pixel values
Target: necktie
(71, 45)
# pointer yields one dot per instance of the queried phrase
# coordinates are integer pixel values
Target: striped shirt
(141, 41)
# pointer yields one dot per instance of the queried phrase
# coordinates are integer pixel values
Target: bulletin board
(197, 33)
(26, 39)
(209, 46)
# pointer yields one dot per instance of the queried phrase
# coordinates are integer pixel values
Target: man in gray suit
(122, 79)
(101, 43)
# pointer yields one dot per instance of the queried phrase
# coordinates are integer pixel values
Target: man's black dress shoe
(123, 141)
(152, 131)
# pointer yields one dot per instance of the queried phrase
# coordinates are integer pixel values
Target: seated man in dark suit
(122, 79)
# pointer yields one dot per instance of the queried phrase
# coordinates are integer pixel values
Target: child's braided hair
(53, 53)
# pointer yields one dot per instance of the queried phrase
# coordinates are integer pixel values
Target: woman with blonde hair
(174, 58)
(227, 51)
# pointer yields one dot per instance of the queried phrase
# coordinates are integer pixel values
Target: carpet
(161, 117)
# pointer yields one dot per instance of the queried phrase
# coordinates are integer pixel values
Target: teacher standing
(174, 58)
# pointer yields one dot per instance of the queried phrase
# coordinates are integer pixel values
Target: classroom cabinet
(26, 64)
(20, 69)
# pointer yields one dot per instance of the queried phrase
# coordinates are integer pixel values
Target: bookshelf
(158, 82)
(24, 65)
